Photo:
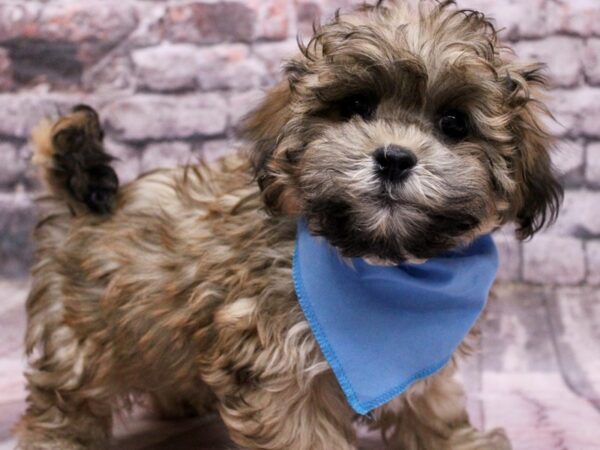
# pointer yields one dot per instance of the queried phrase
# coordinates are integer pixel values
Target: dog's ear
(539, 193)
(264, 129)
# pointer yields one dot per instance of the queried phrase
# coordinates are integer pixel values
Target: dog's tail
(74, 165)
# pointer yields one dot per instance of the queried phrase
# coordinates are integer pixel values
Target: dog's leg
(432, 416)
(63, 412)
(190, 403)
(68, 409)
(282, 415)
(472, 439)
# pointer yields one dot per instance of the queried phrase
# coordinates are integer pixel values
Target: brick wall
(172, 79)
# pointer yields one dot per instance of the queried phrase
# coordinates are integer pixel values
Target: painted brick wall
(172, 79)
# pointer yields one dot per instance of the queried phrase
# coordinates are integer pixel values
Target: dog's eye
(356, 105)
(454, 124)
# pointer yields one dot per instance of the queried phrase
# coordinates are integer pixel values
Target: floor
(536, 373)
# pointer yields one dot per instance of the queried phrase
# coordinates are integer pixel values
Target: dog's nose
(393, 162)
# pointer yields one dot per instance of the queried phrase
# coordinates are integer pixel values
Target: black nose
(393, 163)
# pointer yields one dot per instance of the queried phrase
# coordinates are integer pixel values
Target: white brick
(273, 18)
(565, 121)
(17, 219)
(563, 55)
(11, 165)
(592, 172)
(517, 18)
(578, 215)
(554, 260)
(574, 17)
(167, 155)
(241, 104)
(167, 67)
(6, 76)
(144, 117)
(509, 250)
(127, 160)
(210, 22)
(215, 149)
(591, 61)
(274, 56)
(569, 160)
(593, 261)
(229, 67)
(20, 113)
(577, 110)
(113, 74)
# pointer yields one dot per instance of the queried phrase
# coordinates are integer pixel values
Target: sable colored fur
(75, 165)
(399, 132)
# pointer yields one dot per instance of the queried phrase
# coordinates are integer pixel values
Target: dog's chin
(400, 255)
(393, 224)
(397, 231)
(417, 247)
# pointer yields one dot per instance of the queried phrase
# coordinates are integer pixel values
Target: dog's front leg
(280, 414)
(432, 415)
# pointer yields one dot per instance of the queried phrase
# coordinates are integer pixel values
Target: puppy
(178, 285)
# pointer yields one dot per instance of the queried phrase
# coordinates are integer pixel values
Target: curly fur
(178, 285)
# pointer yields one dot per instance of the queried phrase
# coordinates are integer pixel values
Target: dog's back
(130, 280)
(102, 248)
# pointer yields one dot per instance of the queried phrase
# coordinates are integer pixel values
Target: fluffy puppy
(399, 132)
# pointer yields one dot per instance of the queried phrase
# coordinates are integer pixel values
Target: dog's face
(403, 132)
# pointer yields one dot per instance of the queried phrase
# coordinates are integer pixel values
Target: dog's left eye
(356, 105)
(454, 124)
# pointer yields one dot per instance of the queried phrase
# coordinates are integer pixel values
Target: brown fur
(74, 165)
(185, 292)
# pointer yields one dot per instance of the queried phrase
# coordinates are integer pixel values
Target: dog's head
(401, 132)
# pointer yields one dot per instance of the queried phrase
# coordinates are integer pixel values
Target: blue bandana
(383, 328)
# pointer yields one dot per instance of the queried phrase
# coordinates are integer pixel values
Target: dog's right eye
(454, 124)
(356, 105)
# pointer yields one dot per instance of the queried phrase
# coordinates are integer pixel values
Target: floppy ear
(539, 194)
(264, 129)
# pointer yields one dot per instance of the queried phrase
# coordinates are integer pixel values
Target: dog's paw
(472, 439)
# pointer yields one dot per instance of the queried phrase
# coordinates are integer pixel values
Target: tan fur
(184, 292)
(41, 139)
